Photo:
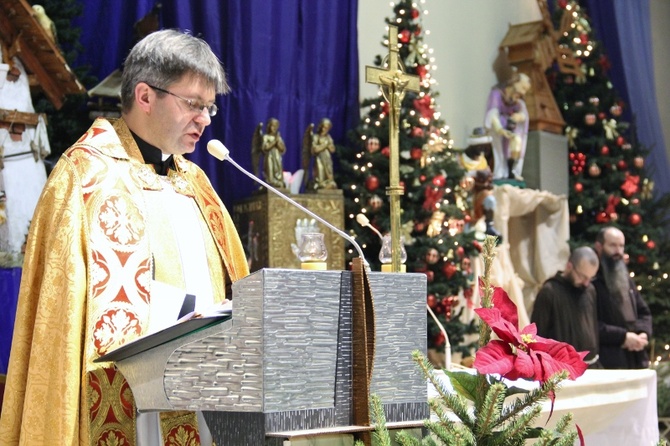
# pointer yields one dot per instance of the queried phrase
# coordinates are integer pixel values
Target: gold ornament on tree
(435, 224)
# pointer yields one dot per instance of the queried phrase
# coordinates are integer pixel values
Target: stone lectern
(283, 362)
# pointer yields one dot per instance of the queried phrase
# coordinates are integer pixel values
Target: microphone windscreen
(217, 149)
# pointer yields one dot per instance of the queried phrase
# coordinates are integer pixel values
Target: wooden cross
(394, 82)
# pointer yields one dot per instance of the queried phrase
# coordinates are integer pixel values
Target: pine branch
(489, 413)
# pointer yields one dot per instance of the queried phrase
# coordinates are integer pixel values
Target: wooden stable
(21, 36)
(532, 48)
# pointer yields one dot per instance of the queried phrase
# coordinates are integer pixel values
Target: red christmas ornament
(431, 300)
(449, 269)
(467, 218)
(404, 36)
(604, 150)
(416, 153)
(417, 31)
(372, 183)
(439, 181)
(620, 141)
(602, 217)
(414, 13)
(630, 185)
(584, 38)
(439, 339)
(422, 178)
(615, 110)
(602, 115)
(460, 252)
(419, 226)
(579, 187)
(638, 162)
(386, 152)
(641, 259)
(651, 244)
(562, 3)
(425, 107)
(417, 132)
(634, 219)
(433, 196)
(621, 165)
(430, 275)
(421, 71)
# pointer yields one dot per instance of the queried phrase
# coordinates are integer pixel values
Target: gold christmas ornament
(435, 224)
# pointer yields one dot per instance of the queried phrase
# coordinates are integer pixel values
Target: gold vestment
(86, 287)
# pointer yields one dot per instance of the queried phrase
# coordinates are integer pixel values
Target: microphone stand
(223, 153)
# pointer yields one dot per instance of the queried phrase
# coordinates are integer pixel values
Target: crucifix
(394, 83)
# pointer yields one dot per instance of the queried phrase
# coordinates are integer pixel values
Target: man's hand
(635, 342)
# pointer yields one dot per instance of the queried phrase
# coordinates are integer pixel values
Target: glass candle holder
(313, 252)
(386, 253)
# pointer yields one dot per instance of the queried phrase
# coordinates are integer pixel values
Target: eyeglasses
(581, 276)
(194, 106)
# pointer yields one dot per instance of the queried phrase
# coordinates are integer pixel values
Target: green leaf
(464, 384)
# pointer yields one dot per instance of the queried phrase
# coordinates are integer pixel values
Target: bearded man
(624, 318)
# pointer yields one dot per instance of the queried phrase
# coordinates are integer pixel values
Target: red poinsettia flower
(521, 353)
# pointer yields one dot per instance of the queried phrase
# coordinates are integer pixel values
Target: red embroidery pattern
(114, 328)
(121, 222)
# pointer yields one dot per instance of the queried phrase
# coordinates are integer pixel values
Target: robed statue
(317, 162)
(270, 147)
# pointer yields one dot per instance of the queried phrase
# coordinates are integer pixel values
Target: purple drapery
(10, 279)
(295, 60)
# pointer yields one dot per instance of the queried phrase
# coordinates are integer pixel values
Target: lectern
(283, 362)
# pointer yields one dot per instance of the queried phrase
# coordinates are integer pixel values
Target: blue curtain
(295, 60)
(624, 27)
(10, 279)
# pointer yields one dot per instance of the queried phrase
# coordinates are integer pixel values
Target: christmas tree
(609, 182)
(435, 199)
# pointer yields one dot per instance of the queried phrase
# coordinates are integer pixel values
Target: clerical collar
(153, 155)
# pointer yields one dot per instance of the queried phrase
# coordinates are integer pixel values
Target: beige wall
(465, 35)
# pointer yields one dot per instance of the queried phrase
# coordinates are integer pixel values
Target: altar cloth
(611, 407)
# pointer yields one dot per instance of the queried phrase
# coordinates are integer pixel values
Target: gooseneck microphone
(221, 152)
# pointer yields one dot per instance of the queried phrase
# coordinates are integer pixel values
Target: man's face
(580, 275)
(612, 247)
(176, 126)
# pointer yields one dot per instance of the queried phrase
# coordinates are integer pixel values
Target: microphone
(364, 221)
(221, 152)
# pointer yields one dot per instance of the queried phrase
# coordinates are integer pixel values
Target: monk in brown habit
(123, 215)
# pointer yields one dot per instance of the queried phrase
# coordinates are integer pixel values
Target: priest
(122, 216)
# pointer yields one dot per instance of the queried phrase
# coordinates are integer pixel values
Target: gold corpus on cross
(394, 83)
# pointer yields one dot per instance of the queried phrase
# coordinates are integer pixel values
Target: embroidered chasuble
(102, 233)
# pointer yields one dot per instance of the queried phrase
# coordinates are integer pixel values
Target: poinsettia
(522, 353)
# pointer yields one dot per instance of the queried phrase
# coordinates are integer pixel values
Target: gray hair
(584, 253)
(165, 57)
